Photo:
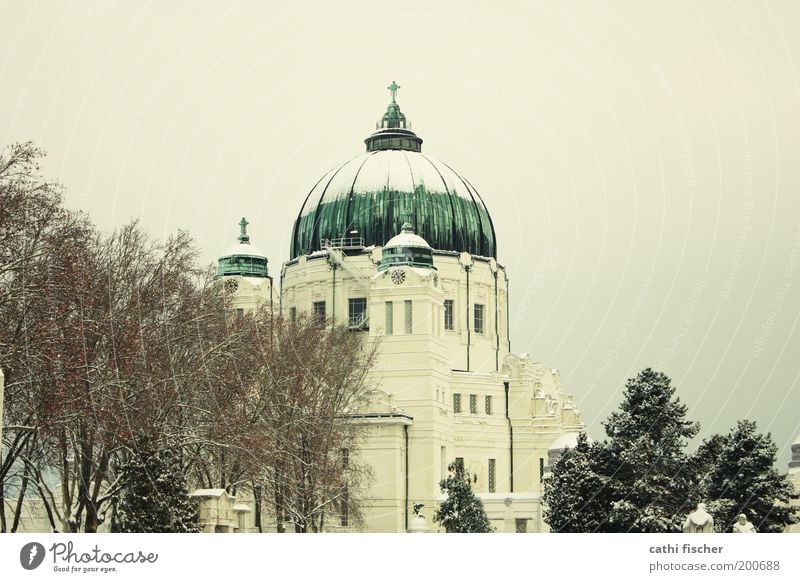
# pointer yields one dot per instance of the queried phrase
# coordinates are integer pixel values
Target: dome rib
(488, 216)
(453, 229)
(347, 216)
(477, 208)
(296, 229)
(314, 240)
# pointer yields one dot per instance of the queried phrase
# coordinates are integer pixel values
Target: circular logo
(31, 555)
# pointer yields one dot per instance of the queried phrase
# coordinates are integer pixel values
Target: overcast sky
(639, 159)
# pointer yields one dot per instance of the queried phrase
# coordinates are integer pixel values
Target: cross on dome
(393, 88)
(243, 236)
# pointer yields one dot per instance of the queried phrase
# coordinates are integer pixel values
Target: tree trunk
(20, 499)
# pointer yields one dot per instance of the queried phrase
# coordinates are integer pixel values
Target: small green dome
(407, 248)
(242, 258)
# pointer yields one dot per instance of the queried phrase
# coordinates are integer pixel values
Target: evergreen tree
(738, 475)
(643, 459)
(462, 511)
(574, 495)
(153, 495)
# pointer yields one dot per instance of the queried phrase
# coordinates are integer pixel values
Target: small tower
(244, 273)
(407, 248)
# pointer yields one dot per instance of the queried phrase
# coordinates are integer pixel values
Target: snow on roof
(243, 249)
(568, 439)
(208, 493)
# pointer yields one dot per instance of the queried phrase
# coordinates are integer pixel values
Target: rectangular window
(357, 313)
(448, 314)
(345, 506)
(293, 314)
(459, 461)
(541, 469)
(389, 318)
(521, 525)
(473, 404)
(478, 318)
(492, 468)
(318, 307)
(409, 317)
(457, 403)
(488, 405)
(443, 462)
(345, 454)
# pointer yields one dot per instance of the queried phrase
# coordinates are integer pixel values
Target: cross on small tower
(393, 88)
(243, 236)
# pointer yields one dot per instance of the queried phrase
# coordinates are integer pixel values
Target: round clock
(398, 277)
(231, 285)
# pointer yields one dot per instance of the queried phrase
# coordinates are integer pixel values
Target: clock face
(398, 277)
(231, 285)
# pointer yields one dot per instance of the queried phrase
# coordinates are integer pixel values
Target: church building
(399, 246)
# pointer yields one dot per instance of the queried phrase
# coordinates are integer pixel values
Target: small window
(293, 314)
(478, 318)
(457, 403)
(473, 404)
(492, 473)
(240, 312)
(357, 313)
(345, 508)
(488, 403)
(409, 317)
(389, 318)
(448, 315)
(541, 469)
(460, 462)
(521, 525)
(345, 454)
(319, 310)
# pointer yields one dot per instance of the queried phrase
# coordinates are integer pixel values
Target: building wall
(421, 369)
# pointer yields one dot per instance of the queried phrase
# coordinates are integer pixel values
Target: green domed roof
(393, 183)
(242, 258)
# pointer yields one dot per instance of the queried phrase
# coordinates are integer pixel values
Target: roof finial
(393, 88)
(244, 238)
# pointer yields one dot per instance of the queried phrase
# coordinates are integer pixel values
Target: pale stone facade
(512, 410)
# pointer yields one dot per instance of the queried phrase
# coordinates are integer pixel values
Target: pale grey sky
(639, 159)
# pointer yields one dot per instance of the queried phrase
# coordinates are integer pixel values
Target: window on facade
(492, 477)
(389, 318)
(521, 525)
(293, 314)
(541, 469)
(488, 405)
(473, 404)
(457, 403)
(345, 454)
(478, 318)
(459, 461)
(240, 312)
(318, 307)
(409, 317)
(448, 314)
(345, 508)
(357, 312)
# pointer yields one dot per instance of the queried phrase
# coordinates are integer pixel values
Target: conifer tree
(153, 497)
(574, 495)
(738, 476)
(462, 511)
(643, 459)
